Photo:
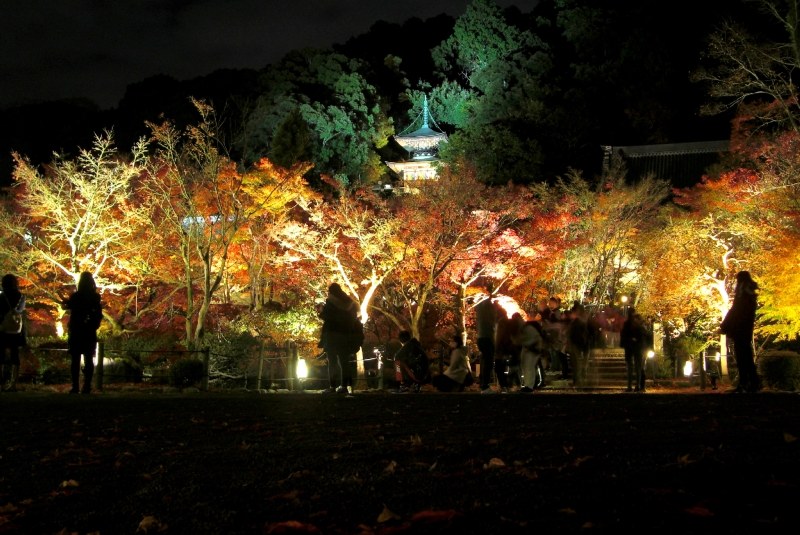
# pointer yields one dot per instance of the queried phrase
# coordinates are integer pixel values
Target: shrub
(186, 372)
(780, 369)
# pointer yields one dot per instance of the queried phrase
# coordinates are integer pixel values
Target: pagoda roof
(425, 135)
(423, 132)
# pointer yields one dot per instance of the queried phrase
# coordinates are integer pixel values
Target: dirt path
(457, 463)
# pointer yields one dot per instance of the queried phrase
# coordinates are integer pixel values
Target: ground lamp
(302, 372)
(651, 355)
(687, 369)
(378, 356)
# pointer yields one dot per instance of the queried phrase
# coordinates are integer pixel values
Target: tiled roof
(682, 164)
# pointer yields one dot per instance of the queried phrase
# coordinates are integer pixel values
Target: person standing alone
(739, 323)
(339, 331)
(634, 340)
(13, 335)
(85, 316)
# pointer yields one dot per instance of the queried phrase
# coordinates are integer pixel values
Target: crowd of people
(518, 351)
(515, 349)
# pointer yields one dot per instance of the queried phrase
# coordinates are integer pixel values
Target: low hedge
(780, 370)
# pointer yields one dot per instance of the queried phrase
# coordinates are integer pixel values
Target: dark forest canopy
(523, 96)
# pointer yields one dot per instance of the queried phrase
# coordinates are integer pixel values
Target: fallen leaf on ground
(8, 508)
(698, 511)
(433, 516)
(496, 463)
(580, 460)
(387, 515)
(416, 441)
(587, 525)
(390, 468)
(789, 438)
(567, 511)
(150, 524)
(292, 526)
(69, 483)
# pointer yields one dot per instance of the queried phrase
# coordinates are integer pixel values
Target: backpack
(12, 321)
(355, 339)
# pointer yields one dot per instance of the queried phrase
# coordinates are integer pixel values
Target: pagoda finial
(425, 112)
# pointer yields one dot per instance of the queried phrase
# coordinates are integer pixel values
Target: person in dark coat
(577, 341)
(506, 350)
(11, 299)
(485, 324)
(411, 364)
(85, 316)
(339, 315)
(634, 340)
(738, 324)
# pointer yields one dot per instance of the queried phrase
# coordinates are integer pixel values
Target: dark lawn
(216, 463)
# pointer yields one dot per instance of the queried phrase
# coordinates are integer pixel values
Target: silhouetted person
(12, 304)
(507, 351)
(528, 337)
(738, 325)
(339, 316)
(410, 364)
(634, 340)
(85, 315)
(485, 323)
(577, 341)
(457, 376)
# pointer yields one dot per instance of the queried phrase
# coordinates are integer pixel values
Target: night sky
(94, 48)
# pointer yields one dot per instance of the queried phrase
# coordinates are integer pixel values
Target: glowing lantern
(302, 369)
(687, 369)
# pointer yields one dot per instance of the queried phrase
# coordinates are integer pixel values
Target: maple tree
(448, 227)
(350, 237)
(602, 257)
(79, 215)
(203, 203)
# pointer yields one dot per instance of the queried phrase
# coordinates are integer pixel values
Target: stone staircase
(605, 368)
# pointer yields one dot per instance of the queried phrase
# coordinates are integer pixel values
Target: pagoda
(423, 148)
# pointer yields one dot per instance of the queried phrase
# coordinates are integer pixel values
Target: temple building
(423, 148)
(682, 164)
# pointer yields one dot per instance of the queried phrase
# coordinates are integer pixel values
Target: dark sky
(53, 49)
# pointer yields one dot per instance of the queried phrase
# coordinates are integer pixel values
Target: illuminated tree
(80, 215)
(351, 237)
(603, 258)
(202, 203)
(445, 226)
(342, 113)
